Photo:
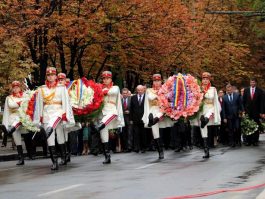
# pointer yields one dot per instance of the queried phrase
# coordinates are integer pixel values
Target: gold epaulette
(153, 102)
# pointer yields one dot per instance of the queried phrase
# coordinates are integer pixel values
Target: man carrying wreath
(52, 110)
(153, 117)
(111, 114)
(11, 118)
(210, 114)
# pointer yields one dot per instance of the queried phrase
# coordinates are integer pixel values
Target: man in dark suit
(252, 102)
(126, 136)
(136, 114)
(231, 108)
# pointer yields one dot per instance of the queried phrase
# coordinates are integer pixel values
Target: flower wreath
(86, 97)
(180, 96)
(26, 111)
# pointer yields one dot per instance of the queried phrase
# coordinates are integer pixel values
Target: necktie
(124, 103)
(252, 93)
(140, 99)
(230, 98)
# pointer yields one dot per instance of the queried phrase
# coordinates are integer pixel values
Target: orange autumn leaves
(144, 36)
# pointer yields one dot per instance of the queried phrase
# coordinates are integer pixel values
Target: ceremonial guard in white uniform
(153, 117)
(11, 118)
(52, 110)
(210, 114)
(112, 114)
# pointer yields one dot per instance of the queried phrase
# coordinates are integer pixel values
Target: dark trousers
(197, 137)
(223, 134)
(165, 137)
(126, 137)
(233, 131)
(149, 139)
(139, 137)
(76, 142)
(39, 140)
(183, 132)
(4, 142)
(95, 144)
(31, 149)
(212, 132)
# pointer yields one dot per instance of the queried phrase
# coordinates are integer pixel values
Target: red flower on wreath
(97, 98)
(31, 106)
(193, 97)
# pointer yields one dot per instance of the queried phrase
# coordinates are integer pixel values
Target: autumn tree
(133, 38)
(14, 63)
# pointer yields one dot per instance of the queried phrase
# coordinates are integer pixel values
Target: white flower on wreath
(86, 98)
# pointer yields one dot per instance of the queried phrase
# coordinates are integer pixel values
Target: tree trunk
(79, 62)
(60, 47)
(101, 67)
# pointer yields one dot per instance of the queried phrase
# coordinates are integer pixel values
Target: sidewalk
(9, 153)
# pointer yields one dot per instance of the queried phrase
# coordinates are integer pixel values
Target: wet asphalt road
(139, 176)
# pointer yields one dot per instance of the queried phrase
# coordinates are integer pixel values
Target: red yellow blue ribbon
(180, 91)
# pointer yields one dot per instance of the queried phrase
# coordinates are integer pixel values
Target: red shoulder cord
(51, 85)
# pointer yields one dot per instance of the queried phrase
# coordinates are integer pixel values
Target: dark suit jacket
(253, 106)
(263, 103)
(126, 115)
(136, 110)
(231, 109)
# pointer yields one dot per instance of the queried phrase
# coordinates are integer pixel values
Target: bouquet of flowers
(248, 126)
(86, 98)
(180, 96)
(26, 111)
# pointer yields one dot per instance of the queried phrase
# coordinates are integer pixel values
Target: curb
(14, 156)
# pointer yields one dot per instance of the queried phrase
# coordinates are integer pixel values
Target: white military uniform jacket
(211, 108)
(151, 105)
(52, 103)
(11, 113)
(113, 106)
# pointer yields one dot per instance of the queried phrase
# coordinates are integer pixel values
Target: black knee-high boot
(20, 155)
(159, 148)
(63, 154)
(206, 148)
(53, 155)
(106, 153)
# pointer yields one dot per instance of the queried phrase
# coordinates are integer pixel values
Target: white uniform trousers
(104, 133)
(208, 114)
(17, 136)
(56, 124)
(17, 133)
(156, 113)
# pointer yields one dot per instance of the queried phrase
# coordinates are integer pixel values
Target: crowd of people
(131, 122)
